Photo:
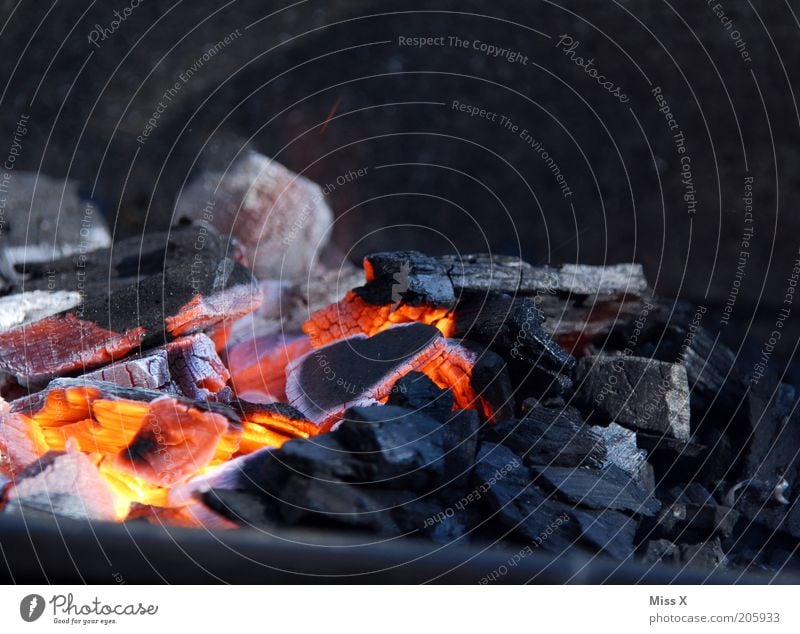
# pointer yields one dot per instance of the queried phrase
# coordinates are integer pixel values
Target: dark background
(437, 179)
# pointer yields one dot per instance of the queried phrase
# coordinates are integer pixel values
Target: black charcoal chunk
(774, 435)
(512, 327)
(609, 531)
(661, 551)
(609, 488)
(407, 447)
(518, 504)
(546, 436)
(356, 370)
(706, 555)
(639, 393)
(416, 391)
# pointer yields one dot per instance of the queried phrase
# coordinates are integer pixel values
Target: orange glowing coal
(141, 449)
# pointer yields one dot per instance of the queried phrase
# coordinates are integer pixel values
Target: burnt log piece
(416, 391)
(280, 218)
(440, 279)
(581, 303)
(610, 488)
(190, 296)
(362, 370)
(62, 484)
(611, 532)
(642, 394)
(549, 436)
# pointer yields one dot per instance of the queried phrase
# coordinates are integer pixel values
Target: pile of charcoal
(196, 378)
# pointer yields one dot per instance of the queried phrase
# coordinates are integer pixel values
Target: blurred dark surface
(437, 179)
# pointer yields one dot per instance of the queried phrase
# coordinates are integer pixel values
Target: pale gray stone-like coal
(188, 366)
(25, 308)
(62, 484)
(636, 392)
(623, 451)
(45, 219)
(280, 218)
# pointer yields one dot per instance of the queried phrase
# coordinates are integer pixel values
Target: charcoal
(774, 435)
(189, 296)
(150, 372)
(439, 280)
(46, 219)
(661, 551)
(106, 270)
(407, 447)
(611, 532)
(417, 392)
(706, 555)
(280, 218)
(324, 457)
(64, 484)
(518, 504)
(489, 378)
(319, 502)
(358, 370)
(241, 507)
(195, 367)
(512, 327)
(550, 437)
(460, 440)
(640, 393)
(257, 364)
(710, 519)
(610, 488)
(622, 451)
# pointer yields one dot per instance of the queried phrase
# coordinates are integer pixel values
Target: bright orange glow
(109, 428)
(353, 316)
